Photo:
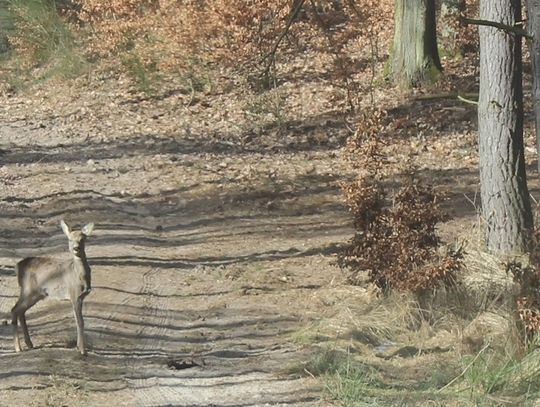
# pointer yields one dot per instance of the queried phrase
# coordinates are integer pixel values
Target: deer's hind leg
(15, 312)
(18, 315)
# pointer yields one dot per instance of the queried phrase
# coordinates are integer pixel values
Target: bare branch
(514, 29)
(271, 56)
(450, 95)
(469, 101)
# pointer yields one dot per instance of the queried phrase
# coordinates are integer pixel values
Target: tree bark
(533, 27)
(415, 58)
(449, 24)
(506, 207)
(5, 25)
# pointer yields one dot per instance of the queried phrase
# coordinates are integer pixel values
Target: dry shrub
(529, 313)
(528, 277)
(241, 34)
(397, 245)
(258, 40)
(395, 240)
(215, 28)
(116, 24)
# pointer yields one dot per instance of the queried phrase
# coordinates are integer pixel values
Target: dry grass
(454, 346)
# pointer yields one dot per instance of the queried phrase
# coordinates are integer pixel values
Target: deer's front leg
(77, 310)
(27, 340)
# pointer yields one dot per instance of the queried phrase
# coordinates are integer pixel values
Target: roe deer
(41, 277)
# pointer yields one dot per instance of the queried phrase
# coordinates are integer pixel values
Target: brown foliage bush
(528, 277)
(395, 241)
(237, 33)
(256, 40)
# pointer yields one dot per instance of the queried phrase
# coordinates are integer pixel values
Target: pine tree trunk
(506, 207)
(415, 58)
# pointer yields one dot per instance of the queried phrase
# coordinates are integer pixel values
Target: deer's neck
(81, 265)
(81, 256)
(81, 262)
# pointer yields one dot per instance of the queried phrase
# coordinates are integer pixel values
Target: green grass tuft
(43, 43)
(496, 376)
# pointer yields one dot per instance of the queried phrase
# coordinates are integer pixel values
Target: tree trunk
(533, 26)
(415, 58)
(449, 26)
(5, 25)
(503, 185)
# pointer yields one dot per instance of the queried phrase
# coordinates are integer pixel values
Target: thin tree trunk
(533, 26)
(415, 58)
(503, 185)
(449, 25)
(5, 25)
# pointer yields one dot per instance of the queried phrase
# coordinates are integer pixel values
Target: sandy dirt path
(207, 262)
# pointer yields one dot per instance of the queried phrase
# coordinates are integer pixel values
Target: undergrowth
(352, 382)
(492, 377)
(355, 372)
(485, 379)
(143, 75)
(145, 39)
(42, 39)
(395, 241)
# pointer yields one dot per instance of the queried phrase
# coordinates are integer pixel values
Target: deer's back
(46, 276)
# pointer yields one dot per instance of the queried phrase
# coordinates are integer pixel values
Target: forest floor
(218, 220)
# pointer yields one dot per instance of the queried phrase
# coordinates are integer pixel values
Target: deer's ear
(88, 228)
(65, 227)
